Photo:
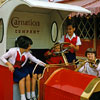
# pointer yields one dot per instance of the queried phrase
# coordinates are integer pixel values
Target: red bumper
(66, 85)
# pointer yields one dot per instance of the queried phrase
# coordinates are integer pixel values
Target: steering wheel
(63, 50)
(67, 43)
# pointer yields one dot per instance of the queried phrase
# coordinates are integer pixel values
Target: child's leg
(28, 86)
(22, 88)
(34, 79)
(39, 75)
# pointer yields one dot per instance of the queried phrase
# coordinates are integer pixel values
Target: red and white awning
(95, 7)
(92, 5)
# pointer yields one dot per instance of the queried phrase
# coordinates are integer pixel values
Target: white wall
(41, 38)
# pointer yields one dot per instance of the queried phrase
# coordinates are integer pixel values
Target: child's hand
(71, 45)
(47, 65)
(10, 66)
(49, 53)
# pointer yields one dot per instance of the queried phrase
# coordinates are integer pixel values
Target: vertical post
(65, 59)
(95, 32)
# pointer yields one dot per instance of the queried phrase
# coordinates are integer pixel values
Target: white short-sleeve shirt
(67, 36)
(88, 70)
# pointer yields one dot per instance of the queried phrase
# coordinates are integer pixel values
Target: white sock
(28, 95)
(33, 94)
(23, 97)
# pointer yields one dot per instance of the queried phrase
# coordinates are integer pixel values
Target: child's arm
(10, 66)
(98, 67)
(78, 43)
(76, 48)
(81, 69)
(4, 58)
(48, 53)
(34, 59)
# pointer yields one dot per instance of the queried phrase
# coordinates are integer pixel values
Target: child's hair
(70, 23)
(56, 44)
(90, 50)
(23, 42)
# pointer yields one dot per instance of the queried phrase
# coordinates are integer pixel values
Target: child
(74, 41)
(15, 59)
(37, 73)
(92, 66)
(53, 56)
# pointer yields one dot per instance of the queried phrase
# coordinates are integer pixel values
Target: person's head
(24, 42)
(90, 54)
(56, 47)
(70, 28)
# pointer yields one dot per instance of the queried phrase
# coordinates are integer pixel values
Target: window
(1, 30)
(98, 26)
(54, 31)
(84, 26)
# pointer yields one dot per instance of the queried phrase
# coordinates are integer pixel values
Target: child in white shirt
(16, 58)
(90, 67)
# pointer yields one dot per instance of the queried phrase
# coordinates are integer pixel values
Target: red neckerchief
(19, 61)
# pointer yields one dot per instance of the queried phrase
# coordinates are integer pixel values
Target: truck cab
(41, 21)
